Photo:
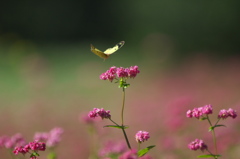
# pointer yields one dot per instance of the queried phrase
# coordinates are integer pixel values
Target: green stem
(214, 136)
(113, 121)
(123, 104)
(126, 138)
(217, 121)
(124, 133)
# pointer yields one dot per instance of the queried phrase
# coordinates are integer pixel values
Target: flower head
(131, 154)
(200, 111)
(51, 138)
(189, 114)
(122, 72)
(34, 146)
(207, 109)
(232, 113)
(13, 141)
(224, 114)
(133, 71)
(197, 144)
(99, 112)
(54, 137)
(142, 136)
(119, 72)
(111, 147)
(197, 112)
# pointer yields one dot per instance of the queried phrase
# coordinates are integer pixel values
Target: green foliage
(208, 156)
(123, 83)
(142, 152)
(34, 154)
(211, 128)
(203, 118)
(117, 126)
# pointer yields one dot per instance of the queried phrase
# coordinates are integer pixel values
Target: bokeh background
(187, 52)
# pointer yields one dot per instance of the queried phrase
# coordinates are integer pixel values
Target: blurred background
(187, 52)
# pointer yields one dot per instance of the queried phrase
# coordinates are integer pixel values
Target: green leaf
(123, 83)
(34, 154)
(213, 127)
(116, 126)
(142, 152)
(219, 126)
(208, 156)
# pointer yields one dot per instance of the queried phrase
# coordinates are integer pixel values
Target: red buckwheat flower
(142, 136)
(197, 144)
(99, 112)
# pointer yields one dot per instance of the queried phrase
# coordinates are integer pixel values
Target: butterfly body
(107, 52)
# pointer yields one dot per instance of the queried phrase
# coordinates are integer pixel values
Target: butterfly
(107, 52)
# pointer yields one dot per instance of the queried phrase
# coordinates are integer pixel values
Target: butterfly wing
(98, 52)
(110, 51)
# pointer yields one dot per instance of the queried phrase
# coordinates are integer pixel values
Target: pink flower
(3, 140)
(197, 112)
(142, 136)
(119, 72)
(113, 69)
(223, 114)
(207, 109)
(99, 112)
(11, 142)
(113, 148)
(103, 76)
(232, 113)
(227, 113)
(20, 149)
(94, 113)
(54, 137)
(122, 72)
(41, 136)
(189, 114)
(200, 111)
(131, 154)
(34, 146)
(197, 144)
(51, 138)
(133, 71)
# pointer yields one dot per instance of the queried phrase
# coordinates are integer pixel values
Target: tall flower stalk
(120, 75)
(202, 113)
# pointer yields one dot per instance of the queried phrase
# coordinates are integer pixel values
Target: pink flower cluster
(51, 138)
(200, 111)
(197, 144)
(11, 142)
(99, 112)
(142, 136)
(119, 72)
(111, 148)
(227, 113)
(34, 146)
